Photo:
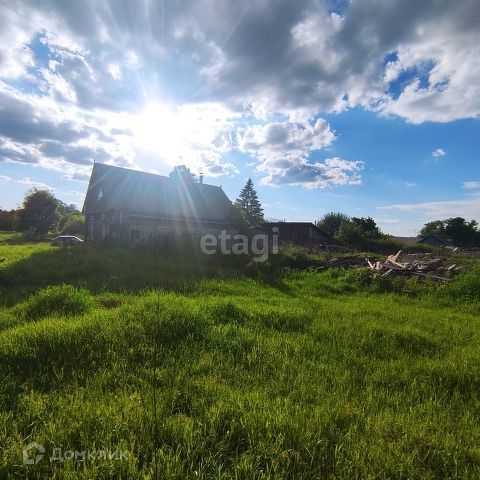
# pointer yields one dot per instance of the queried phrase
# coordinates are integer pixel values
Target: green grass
(313, 375)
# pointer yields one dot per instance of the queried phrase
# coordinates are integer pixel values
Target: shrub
(57, 300)
(74, 225)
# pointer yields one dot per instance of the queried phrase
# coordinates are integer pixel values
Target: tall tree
(183, 174)
(249, 206)
(39, 212)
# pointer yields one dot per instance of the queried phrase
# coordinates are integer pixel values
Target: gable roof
(443, 241)
(154, 195)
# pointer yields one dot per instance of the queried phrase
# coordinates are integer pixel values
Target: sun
(187, 134)
(158, 129)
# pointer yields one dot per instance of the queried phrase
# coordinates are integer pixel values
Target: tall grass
(315, 375)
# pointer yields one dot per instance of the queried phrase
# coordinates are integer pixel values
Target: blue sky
(326, 105)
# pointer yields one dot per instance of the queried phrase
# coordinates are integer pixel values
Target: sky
(364, 106)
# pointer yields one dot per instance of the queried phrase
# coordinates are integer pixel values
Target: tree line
(461, 232)
(41, 213)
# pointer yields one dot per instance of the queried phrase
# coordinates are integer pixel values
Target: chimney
(201, 178)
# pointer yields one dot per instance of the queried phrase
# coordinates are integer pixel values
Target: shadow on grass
(119, 269)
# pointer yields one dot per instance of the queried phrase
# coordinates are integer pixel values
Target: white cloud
(32, 183)
(471, 185)
(468, 208)
(439, 152)
(283, 148)
(108, 66)
(25, 181)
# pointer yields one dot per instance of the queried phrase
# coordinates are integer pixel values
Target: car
(66, 241)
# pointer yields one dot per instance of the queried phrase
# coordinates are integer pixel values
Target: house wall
(144, 229)
(125, 227)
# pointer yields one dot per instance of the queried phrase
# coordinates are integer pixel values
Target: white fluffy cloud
(83, 70)
(283, 149)
(471, 185)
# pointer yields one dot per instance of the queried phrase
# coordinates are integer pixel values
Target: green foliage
(349, 234)
(331, 222)
(39, 212)
(367, 226)
(435, 227)
(249, 206)
(460, 231)
(57, 300)
(466, 287)
(74, 225)
(353, 232)
(8, 219)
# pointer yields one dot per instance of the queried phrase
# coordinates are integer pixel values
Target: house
(436, 241)
(134, 207)
(299, 233)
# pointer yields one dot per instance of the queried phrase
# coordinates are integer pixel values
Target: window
(99, 193)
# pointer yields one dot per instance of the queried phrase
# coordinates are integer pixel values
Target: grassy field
(196, 367)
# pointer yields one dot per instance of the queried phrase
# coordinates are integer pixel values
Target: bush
(57, 300)
(74, 225)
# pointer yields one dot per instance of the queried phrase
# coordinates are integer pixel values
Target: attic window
(99, 193)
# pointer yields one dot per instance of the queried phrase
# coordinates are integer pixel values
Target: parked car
(66, 241)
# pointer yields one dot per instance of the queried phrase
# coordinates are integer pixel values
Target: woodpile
(422, 265)
(344, 262)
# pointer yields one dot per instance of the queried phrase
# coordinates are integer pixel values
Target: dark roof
(155, 195)
(297, 224)
(443, 241)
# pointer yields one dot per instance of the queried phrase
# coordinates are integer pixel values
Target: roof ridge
(156, 175)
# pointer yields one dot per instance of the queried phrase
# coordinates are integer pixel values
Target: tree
(249, 206)
(74, 224)
(463, 233)
(7, 219)
(183, 174)
(349, 234)
(39, 212)
(331, 222)
(64, 212)
(367, 227)
(437, 227)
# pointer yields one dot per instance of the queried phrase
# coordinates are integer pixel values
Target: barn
(131, 206)
(299, 233)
